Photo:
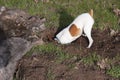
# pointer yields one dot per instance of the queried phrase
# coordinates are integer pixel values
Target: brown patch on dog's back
(74, 31)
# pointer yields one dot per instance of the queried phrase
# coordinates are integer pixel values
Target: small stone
(2, 8)
(42, 27)
(113, 32)
(76, 67)
(35, 59)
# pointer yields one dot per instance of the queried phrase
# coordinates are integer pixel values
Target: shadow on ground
(64, 20)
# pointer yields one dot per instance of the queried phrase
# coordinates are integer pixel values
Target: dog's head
(68, 34)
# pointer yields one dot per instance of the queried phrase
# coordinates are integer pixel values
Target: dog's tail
(91, 12)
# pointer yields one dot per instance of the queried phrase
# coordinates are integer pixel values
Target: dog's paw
(55, 39)
(88, 47)
(84, 35)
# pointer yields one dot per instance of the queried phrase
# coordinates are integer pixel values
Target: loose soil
(44, 67)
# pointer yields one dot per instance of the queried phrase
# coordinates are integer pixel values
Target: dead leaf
(117, 11)
(103, 63)
(36, 1)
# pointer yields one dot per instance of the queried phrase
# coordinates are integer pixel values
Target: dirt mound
(105, 43)
(45, 67)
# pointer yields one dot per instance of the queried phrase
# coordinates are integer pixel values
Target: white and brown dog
(83, 22)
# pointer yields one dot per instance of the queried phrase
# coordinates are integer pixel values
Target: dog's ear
(74, 31)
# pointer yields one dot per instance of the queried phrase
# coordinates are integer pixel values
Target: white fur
(84, 22)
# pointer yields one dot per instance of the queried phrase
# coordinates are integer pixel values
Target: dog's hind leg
(87, 31)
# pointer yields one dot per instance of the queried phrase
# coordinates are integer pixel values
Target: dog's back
(84, 18)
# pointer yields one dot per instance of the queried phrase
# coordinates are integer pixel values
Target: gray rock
(18, 33)
(12, 51)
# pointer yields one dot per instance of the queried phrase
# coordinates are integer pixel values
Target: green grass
(114, 71)
(91, 59)
(45, 48)
(50, 75)
(60, 13)
(50, 49)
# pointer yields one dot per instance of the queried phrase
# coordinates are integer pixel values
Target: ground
(76, 64)
(53, 61)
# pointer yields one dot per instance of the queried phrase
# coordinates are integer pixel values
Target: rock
(2, 9)
(12, 51)
(18, 23)
(113, 32)
(116, 38)
(18, 33)
(14, 14)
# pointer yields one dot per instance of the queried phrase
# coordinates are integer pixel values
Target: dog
(82, 24)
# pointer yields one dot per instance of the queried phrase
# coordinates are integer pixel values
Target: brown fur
(74, 31)
(91, 12)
